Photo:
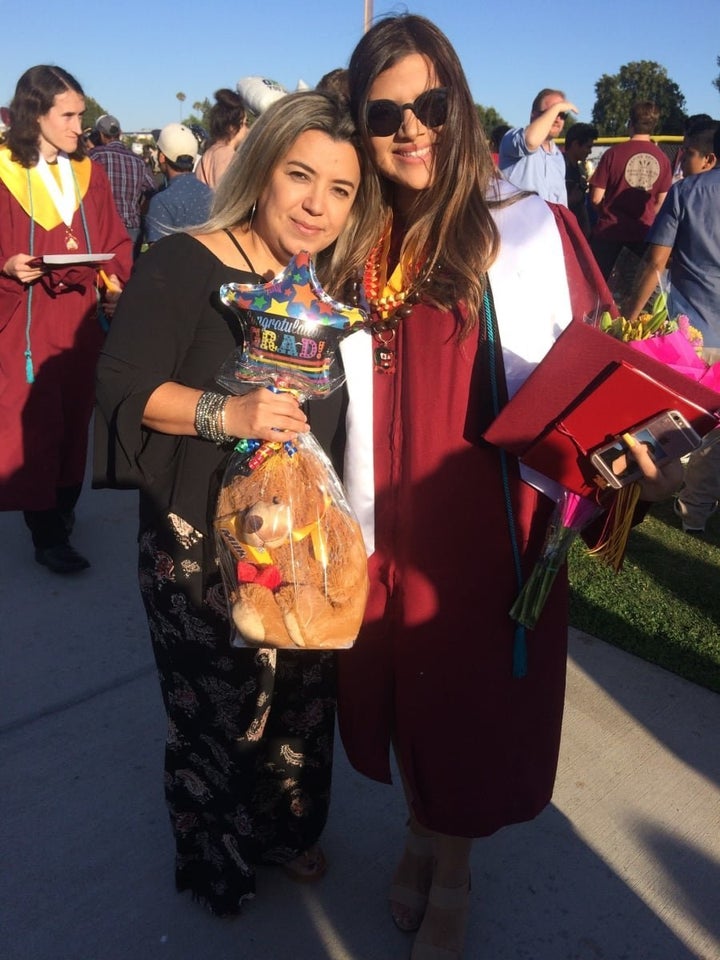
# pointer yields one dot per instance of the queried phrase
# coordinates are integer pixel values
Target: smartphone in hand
(666, 437)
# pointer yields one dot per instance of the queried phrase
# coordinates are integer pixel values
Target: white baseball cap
(176, 141)
(258, 93)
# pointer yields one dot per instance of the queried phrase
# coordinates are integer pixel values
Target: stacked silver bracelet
(210, 417)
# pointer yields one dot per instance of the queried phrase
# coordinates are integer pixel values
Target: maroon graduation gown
(432, 668)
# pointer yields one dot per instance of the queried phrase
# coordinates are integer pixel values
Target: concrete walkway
(623, 865)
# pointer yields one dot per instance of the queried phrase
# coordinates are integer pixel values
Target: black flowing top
(170, 325)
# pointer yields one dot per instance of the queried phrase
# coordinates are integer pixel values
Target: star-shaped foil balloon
(292, 329)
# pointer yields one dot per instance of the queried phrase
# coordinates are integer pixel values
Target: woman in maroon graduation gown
(53, 200)
(464, 262)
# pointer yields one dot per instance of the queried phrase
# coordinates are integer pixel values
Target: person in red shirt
(628, 188)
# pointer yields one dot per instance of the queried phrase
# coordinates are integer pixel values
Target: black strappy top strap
(240, 250)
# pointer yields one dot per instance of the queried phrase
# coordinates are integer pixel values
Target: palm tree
(181, 97)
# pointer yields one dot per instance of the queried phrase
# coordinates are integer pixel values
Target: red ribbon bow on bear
(267, 575)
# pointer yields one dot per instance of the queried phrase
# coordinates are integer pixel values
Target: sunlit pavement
(624, 865)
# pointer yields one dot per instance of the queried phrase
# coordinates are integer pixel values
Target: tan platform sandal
(446, 916)
(407, 903)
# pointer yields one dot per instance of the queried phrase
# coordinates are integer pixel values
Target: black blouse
(169, 326)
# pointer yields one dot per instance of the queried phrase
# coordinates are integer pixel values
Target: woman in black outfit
(250, 732)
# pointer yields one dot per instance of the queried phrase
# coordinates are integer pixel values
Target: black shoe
(68, 521)
(61, 559)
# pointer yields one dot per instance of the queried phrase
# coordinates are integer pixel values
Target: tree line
(614, 95)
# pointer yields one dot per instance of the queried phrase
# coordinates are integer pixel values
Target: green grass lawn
(664, 605)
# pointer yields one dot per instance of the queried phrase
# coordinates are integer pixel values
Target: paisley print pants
(248, 758)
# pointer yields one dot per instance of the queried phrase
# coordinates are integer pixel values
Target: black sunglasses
(385, 117)
(562, 116)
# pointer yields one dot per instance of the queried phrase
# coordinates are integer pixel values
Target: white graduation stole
(532, 302)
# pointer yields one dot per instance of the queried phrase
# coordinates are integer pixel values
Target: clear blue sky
(133, 56)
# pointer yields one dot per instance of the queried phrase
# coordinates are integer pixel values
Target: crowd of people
(468, 261)
(651, 225)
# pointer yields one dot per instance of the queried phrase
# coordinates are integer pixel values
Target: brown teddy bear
(291, 552)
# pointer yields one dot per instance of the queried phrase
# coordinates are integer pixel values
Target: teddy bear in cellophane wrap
(291, 551)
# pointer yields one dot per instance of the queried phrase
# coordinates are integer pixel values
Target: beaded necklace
(389, 299)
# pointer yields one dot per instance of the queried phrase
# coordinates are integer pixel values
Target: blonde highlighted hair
(268, 141)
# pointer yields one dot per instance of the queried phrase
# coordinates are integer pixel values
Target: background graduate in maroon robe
(53, 201)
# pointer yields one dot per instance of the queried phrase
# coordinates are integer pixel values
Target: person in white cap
(258, 93)
(185, 201)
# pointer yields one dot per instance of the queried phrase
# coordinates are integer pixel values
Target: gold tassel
(612, 544)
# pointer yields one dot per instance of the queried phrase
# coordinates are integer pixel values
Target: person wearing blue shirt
(185, 201)
(529, 157)
(688, 228)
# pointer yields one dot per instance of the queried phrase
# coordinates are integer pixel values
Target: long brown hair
(450, 224)
(34, 95)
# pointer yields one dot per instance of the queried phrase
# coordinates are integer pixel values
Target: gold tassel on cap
(612, 544)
